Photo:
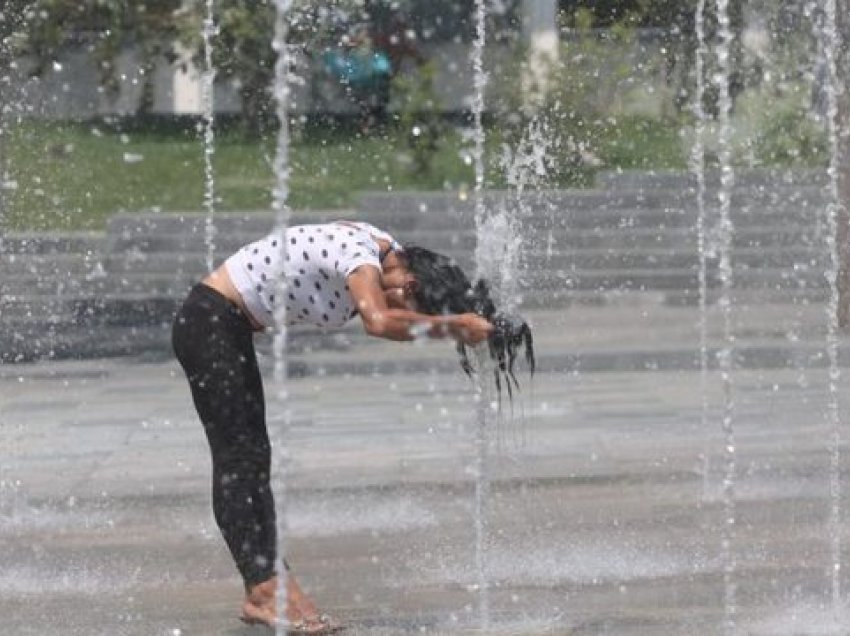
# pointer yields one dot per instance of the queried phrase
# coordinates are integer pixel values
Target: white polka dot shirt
(319, 259)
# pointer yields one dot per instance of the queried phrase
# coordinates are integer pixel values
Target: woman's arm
(382, 321)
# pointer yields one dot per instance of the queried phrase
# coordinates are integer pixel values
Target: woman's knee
(243, 464)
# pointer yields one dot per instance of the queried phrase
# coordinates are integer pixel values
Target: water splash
(7, 485)
(831, 47)
(4, 81)
(524, 166)
(71, 579)
(479, 87)
(482, 404)
(282, 212)
(482, 492)
(332, 514)
(555, 562)
(697, 161)
(726, 355)
(209, 31)
(498, 252)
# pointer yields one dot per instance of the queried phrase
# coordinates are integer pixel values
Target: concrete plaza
(604, 513)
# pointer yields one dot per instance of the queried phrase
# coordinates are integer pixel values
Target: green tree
(242, 48)
(106, 27)
(242, 51)
(13, 17)
(419, 116)
(675, 19)
(155, 29)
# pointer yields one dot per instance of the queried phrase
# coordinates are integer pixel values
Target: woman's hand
(470, 329)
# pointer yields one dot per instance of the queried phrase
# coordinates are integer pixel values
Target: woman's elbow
(375, 325)
(384, 326)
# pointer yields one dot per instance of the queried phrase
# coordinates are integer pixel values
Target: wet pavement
(604, 512)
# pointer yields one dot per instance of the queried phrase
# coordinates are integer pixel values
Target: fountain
(280, 206)
(697, 159)
(208, 99)
(482, 404)
(393, 503)
(831, 47)
(726, 355)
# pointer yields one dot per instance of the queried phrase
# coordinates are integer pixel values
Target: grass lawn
(75, 175)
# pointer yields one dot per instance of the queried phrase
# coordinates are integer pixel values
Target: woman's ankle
(263, 592)
(263, 597)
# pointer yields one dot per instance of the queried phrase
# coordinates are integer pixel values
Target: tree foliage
(13, 17)
(242, 48)
(105, 28)
(675, 20)
(242, 51)
(170, 30)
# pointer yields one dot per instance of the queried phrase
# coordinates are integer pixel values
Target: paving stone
(603, 513)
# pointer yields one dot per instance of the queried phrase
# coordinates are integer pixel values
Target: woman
(333, 272)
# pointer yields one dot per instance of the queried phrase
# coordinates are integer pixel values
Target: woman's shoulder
(374, 232)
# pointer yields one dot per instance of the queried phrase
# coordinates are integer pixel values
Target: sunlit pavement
(603, 516)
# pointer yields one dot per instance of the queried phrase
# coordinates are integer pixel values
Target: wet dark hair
(443, 288)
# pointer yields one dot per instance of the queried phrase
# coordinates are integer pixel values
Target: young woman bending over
(333, 272)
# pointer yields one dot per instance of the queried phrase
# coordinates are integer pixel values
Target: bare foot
(299, 606)
(260, 608)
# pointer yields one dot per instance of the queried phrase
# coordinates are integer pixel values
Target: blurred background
(659, 187)
(104, 117)
(382, 96)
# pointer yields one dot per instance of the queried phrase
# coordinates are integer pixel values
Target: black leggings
(214, 343)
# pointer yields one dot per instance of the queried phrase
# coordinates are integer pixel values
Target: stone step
(35, 285)
(669, 180)
(786, 225)
(45, 243)
(566, 297)
(192, 266)
(680, 239)
(448, 213)
(50, 273)
(52, 344)
(166, 232)
(440, 209)
(36, 340)
(171, 275)
(664, 219)
(656, 218)
(87, 309)
(588, 259)
(154, 343)
(28, 315)
(647, 258)
(665, 279)
(127, 327)
(190, 222)
(124, 228)
(49, 308)
(602, 280)
(193, 223)
(58, 265)
(542, 239)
